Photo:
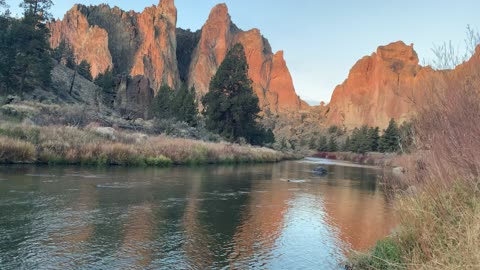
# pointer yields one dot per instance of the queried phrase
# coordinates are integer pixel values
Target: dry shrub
(14, 151)
(440, 224)
(73, 145)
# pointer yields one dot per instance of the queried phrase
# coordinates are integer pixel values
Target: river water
(267, 216)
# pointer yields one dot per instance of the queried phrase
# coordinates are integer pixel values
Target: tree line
(24, 48)
(368, 139)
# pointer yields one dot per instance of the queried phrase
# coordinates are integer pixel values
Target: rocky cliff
(385, 85)
(130, 43)
(270, 76)
(391, 84)
(145, 44)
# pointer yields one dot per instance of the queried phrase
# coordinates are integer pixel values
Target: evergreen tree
(69, 58)
(322, 144)
(231, 107)
(390, 141)
(347, 145)
(184, 106)
(332, 145)
(373, 139)
(25, 50)
(39, 9)
(106, 81)
(58, 53)
(84, 70)
(161, 105)
(313, 143)
(269, 137)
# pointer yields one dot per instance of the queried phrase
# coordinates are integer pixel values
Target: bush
(14, 151)
(159, 161)
(386, 255)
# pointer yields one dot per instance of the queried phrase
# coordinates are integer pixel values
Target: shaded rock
(320, 171)
(134, 96)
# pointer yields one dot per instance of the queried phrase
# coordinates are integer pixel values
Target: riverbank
(439, 211)
(372, 159)
(102, 146)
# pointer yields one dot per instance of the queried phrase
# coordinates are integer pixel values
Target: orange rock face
(271, 79)
(391, 84)
(156, 56)
(88, 42)
(144, 43)
(382, 86)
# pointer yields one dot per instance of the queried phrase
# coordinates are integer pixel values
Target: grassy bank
(20, 143)
(440, 211)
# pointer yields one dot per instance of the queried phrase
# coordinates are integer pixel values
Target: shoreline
(101, 146)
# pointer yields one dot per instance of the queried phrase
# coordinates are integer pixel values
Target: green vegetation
(106, 81)
(83, 70)
(368, 139)
(231, 106)
(386, 255)
(179, 105)
(24, 49)
(390, 141)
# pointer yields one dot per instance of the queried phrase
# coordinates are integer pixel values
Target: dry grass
(441, 223)
(106, 146)
(440, 211)
(15, 151)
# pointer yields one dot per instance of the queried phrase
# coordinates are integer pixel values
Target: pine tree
(269, 137)
(322, 144)
(40, 9)
(347, 145)
(390, 141)
(106, 81)
(161, 105)
(184, 106)
(373, 139)
(25, 50)
(231, 107)
(313, 143)
(58, 53)
(83, 70)
(332, 145)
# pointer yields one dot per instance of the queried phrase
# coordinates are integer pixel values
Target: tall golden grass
(72, 145)
(440, 224)
(439, 211)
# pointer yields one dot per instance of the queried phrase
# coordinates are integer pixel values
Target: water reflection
(188, 218)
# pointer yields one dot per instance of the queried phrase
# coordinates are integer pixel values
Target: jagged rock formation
(89, 42)
(129, 42)
(270, 76)
(382, 86)
(145, 44)
(391, 84)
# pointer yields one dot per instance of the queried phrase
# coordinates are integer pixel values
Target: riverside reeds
(440, 211)
(106, 146)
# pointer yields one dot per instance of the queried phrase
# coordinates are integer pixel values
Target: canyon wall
(145, 44)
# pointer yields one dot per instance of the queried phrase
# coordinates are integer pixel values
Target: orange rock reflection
(361, 217)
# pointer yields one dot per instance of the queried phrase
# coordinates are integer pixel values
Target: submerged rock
(320, 171)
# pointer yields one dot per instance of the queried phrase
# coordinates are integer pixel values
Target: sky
(323, 39)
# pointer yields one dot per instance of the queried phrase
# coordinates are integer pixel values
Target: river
(267, 216)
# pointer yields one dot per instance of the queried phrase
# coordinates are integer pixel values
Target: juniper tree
(231, 107)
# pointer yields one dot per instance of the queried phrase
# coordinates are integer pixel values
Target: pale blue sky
(323, 39)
